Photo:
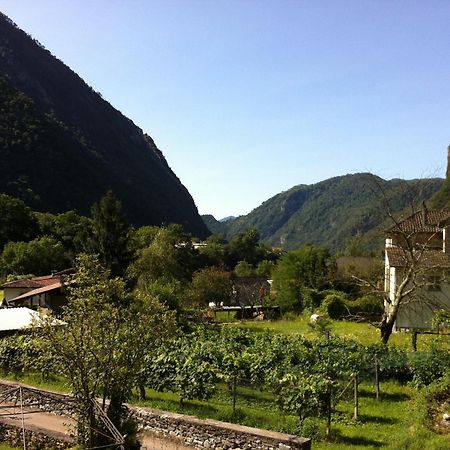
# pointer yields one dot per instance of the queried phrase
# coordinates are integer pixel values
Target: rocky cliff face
(80, 145)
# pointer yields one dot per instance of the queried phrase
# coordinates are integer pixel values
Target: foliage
(309, 267)
(167, 256)
(69, 228)
(110, 235)
(16, 221)
(39, 257)
(103, 341)
(211, 285)
(334, 305)
(429, 367)
(244, 269)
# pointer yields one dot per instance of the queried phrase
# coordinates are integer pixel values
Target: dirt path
(37, 420)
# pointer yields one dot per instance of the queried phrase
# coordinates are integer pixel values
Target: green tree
(39, 257)
(69, 228)
(244, 269)
(211, 285)
(16, 221)
(110, 235)
(103, 342)
(168, 256)
(309, 267)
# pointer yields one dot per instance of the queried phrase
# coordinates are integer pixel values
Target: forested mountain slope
(330, 212)
(62, 146)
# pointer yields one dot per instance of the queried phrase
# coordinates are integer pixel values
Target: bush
(334, 305)
(429, 367)
(367, 307)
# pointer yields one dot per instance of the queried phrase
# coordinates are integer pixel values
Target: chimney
(424, 214)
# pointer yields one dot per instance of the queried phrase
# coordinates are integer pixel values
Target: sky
(248, 98)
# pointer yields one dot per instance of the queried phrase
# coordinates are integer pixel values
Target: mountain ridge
(127, 159)
(329, 212)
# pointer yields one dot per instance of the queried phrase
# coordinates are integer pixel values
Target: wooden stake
(355, 397)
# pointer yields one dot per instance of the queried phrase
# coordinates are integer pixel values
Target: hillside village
(128, 321)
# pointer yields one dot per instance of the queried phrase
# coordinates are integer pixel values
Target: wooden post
(377, 380)
(355, 397)
(23, 421)
(328, 430)
(234, 394)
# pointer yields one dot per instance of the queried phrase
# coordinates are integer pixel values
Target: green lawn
(360, 332)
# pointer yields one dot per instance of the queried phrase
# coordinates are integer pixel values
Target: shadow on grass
(363, 418)
(388, 396)
(339, 438)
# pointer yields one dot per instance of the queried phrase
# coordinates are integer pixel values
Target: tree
(39, 257)
(309, 267)
(103, 342)
(167, 256)
(16, 221)
(110, 235)
(244, 269)
(69, 228)
(211, 285)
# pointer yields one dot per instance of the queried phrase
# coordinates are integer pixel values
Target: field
(395, 421)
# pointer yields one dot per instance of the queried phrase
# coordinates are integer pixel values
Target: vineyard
(324, 386)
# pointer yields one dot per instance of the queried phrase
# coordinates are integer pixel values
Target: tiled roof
(422, 221)
(398, 257)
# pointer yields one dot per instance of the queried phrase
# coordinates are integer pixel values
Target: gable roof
(425, 221)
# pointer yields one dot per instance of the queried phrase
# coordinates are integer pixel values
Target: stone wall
(35, 440)
(212, 434)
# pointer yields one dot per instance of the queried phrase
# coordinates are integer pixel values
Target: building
(37, 292)
(417, 255)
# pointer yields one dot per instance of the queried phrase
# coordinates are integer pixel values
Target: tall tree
(309, 267)
(110, 235)
(103, 342)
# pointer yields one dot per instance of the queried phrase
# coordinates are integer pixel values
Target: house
(37, 292)
(420, 243)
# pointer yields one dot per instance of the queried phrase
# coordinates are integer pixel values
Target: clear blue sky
(249, 98)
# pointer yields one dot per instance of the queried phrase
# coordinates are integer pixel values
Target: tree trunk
(141, 392)
(386, 328)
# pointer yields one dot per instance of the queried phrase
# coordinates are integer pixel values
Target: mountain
(62, 146)
(330, 212)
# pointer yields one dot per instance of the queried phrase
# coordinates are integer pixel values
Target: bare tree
(417, 258)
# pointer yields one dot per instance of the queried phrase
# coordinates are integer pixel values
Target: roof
(398, 257)
(42, 290)
(36, 282)
(17, 318)
(425, 221)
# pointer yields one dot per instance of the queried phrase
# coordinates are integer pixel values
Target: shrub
(367, 307)
(334, 305)
(429, 367)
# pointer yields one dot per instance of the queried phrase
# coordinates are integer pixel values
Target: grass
(360, 332)
(4, 446)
